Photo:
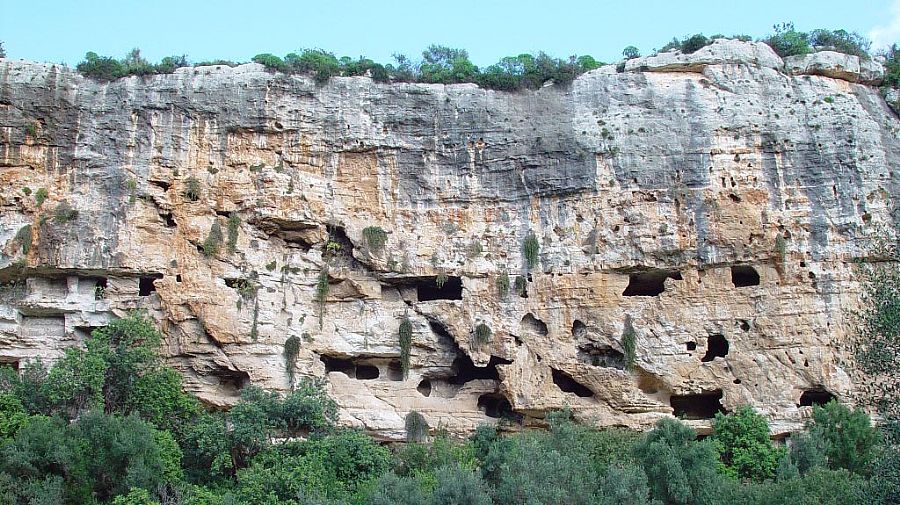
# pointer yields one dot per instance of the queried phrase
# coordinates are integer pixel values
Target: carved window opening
(743, 276)
(649, 283)
(428, 290)
(697, 406)
(812, 397)
(716, 347)
(146, 286)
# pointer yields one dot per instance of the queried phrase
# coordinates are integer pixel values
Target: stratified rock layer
(706, 207)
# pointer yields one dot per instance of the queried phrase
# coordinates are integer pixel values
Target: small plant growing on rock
(40, 195)
(32, 129)
(440, 279)
(483, 334)
(131, 185)
(192, 189)
(531, 248)
(213, 241)
(234, 221)
(521, 285)
(24, 237)
(64, 213)
(291, 352)
(416, 427)
(629, 344)
(405, 338)
(503, 284)
(27, 191)
(321, 295)
(781, 246)
(375, 237)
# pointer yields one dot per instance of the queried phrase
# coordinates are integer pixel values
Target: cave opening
(650, 282)
(367, 372)
(601, 355)
(9, 362)
(466, 371)
(534, 324)
(697, 406)
(428, 289)
(567, 384)
(743, 276)
(818, 397)
(716, 347)
(342, 365)
(424, 387)
(496, 406)
(232, 379)
(690, 346)
(146, 285)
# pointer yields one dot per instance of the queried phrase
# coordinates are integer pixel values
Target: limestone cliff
(706, 207)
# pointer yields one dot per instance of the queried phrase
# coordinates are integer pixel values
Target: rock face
(708, 214)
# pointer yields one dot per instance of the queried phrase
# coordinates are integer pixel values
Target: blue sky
(62, 31)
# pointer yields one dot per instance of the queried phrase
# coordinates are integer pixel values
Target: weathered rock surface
(712, 214)
(836, 65)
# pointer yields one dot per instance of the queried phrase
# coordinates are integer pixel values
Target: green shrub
(26, 190)
(213, 241)
(531, 250)
(375, 238)
(101, 68)
(629, 344)
(503, 284)
(680, 470)
(271, 62)
(234, 222)
(40, 196)
(13, 416)
(841, 41)
(321, 64)
(24, 237)
(64, 213)
(192, 189)
(405, 339)
(745, 449)
(892, 66)
(440, 279)
(848, 439)
(631, 52)
(441, 64)
(416, 427)
(521, 285)
(291, 352)
(788, 42)
(694, 43)
(483, 334)
(157, 396)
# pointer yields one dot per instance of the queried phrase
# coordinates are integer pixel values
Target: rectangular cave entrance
(146, 284)
(697, 406)
(818, 397)
(363, 368)
(649, 282)
(428, 289)
(743, 276)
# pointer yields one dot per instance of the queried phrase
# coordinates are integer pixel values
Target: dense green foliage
(786, 41)
(531, 249)
(104, 68)
(213, 242)
(744, 447)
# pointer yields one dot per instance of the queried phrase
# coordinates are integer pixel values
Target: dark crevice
(424, 387)
(367, 372)
(334, 364)
(146, 285)
(496, 406)
(601, 355)
(567, 384)
(691, 346)
(363, 368)
(578, 329)
(163, 185)
(716, 347)
(650, 282)
(232, 379)
(465, 370)
(697, 406)
(812, 397)
(743, 276)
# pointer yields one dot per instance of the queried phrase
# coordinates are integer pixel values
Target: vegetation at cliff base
(109, 423)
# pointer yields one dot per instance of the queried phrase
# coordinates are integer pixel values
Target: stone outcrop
(836, 65)
(709, 216)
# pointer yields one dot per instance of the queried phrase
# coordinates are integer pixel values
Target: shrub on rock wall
(416, 427)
